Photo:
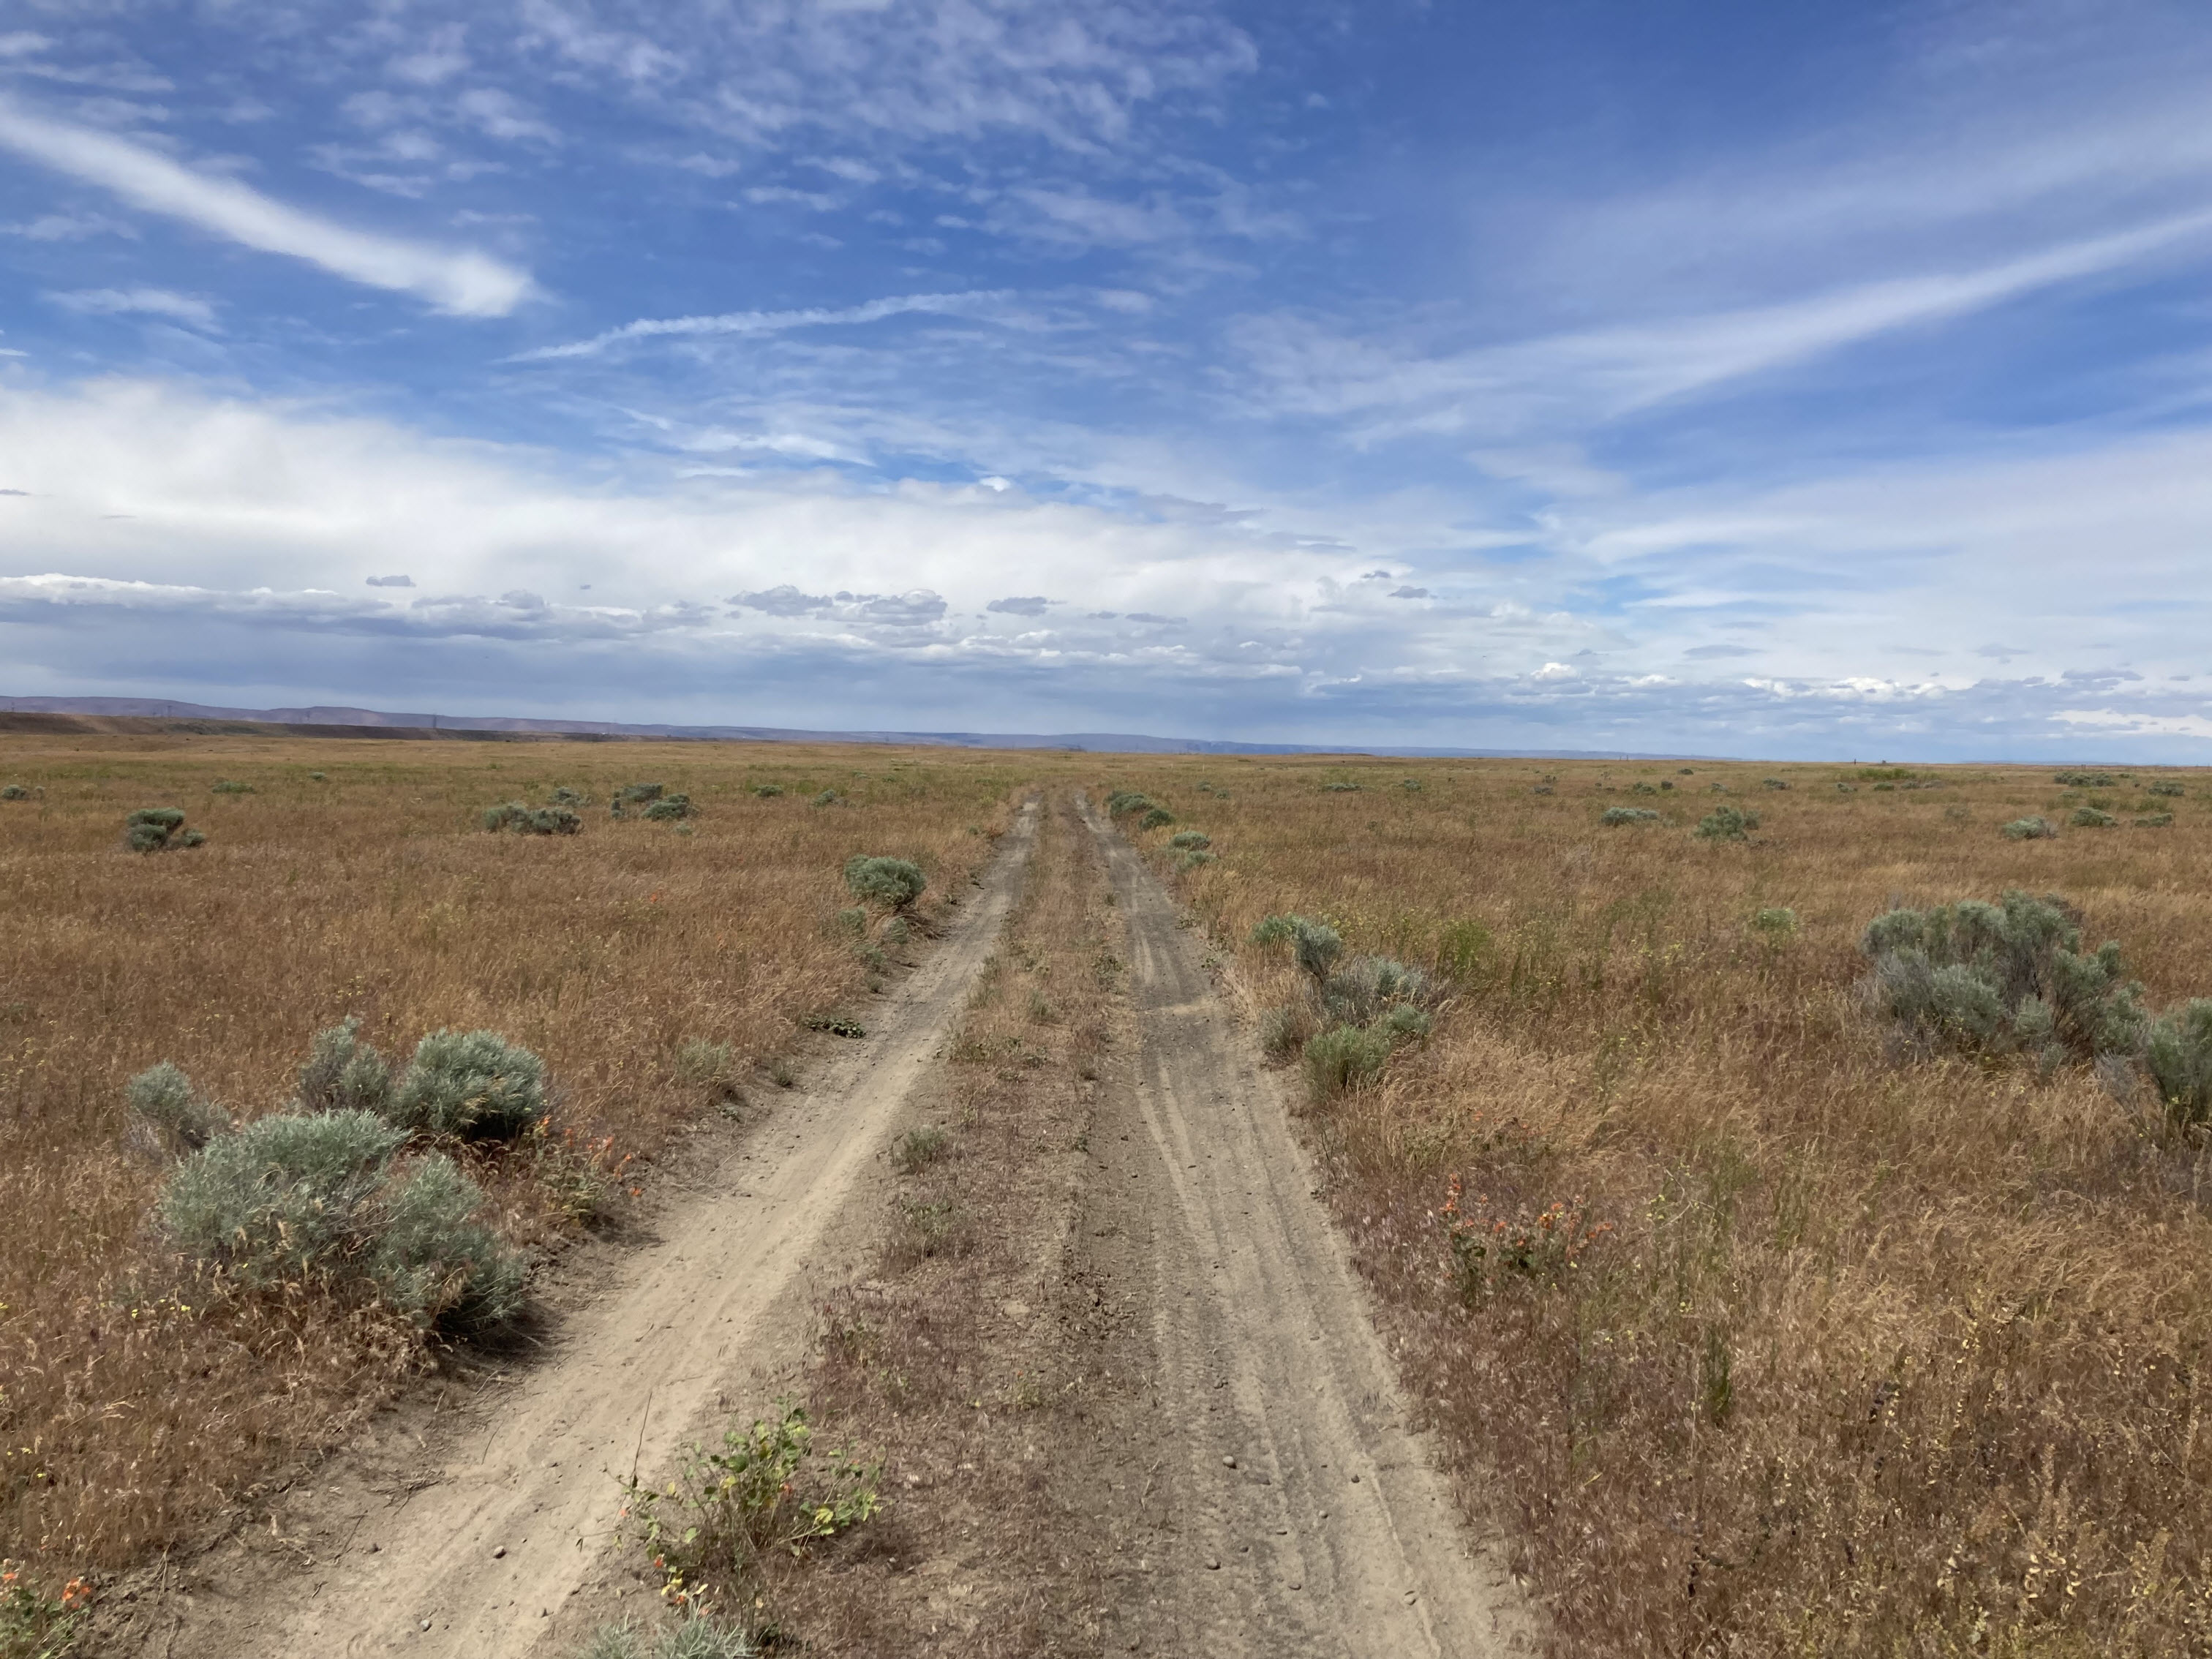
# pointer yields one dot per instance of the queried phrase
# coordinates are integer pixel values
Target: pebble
(1228, 1462)
(426, 1624)
(1213, 1563)
(501, 1551)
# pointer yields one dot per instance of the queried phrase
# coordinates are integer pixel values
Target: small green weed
(33, 1626)
(765, 1490)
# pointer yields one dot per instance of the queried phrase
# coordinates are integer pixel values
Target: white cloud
(148, 301)
(971, 304)
(498, 116)
(465, 283)
(1565, 381)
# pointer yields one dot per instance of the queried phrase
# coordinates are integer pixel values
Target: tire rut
(481, 1561)
(1308, 1517)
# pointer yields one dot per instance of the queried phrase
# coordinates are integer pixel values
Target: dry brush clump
(1775, 1301)
(353, 880)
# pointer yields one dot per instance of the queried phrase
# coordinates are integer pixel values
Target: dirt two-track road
(1300, 1516)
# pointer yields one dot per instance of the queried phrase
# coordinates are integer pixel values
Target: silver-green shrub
(2166, 786)
(1727, 823)
(2006, 978)
(1125, 800)
(895, 884)
(2155, 821)
(565, 796)
(162, 1099)
(669, 808)
(1406, 1022)
(1315, 944)
(1284, 1030)
(523, 819)
(158, 829)
(473, 1085)
(341, 1071)
(433, 1259)
(1614, 816)
(1156, 817)
(1274, 930)
(314, 1195)
(1344, 1057)
(1367, 988)
(2030, 829)
(1775, 920)
(2089, 817)
(768, 791)
(2178, 1054)
(14, 792)
(1190, 840)
(284, 1197)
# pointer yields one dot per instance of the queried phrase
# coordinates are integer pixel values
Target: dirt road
(482, 1561)
(1289, 1508)
(1217, 1461)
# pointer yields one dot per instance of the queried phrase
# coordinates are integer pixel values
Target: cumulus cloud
(461, 282)
(391, 581)
(914, 608)
(1034, 606)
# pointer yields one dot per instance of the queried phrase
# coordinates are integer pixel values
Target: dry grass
(1887, 1354)
(138, 1402)
(951, 1357)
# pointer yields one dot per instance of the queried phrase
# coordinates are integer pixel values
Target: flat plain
(354, 877)
(1786, 1333)
(1878, 1347)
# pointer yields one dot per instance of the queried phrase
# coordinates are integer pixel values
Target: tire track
(482, 1561)
(1308, 1518)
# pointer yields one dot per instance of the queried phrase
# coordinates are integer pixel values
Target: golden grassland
(1884, 1353)
(137, 1400)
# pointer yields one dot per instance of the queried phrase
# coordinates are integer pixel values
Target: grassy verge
(1763, 1331)
(947, 1360)
(656, 964)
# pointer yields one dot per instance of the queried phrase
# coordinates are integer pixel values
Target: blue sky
(1726, 378)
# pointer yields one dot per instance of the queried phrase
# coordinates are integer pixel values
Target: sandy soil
(1286, 1507)
(496, 1549)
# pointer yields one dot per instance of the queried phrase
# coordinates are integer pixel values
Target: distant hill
(371, 722)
